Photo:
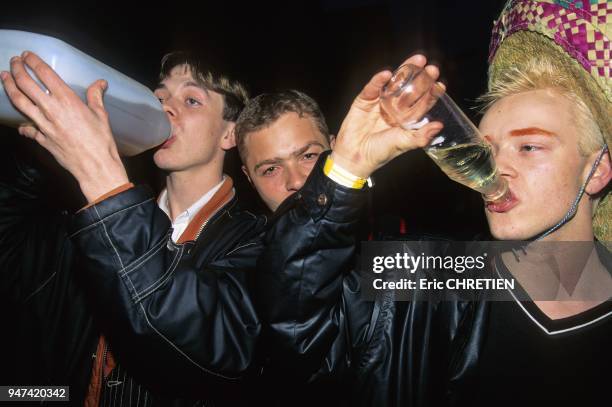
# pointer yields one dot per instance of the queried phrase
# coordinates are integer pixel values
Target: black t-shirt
(529, 359)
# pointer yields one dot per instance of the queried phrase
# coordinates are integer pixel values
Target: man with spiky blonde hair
(548, 124)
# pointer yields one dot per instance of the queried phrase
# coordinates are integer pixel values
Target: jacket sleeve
(32, 233)
(305, 284)
(176, 320)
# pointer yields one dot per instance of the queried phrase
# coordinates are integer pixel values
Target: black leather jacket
(48, 334)
(178, 316)
(320, 331)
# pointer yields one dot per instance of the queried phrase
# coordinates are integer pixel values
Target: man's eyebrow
(295, 153)
(306, 147)
(196, 85)
(162, 86)
(530, 131)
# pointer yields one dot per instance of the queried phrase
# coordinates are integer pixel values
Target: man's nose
(294, 179)
(169, 108)
(506, 167)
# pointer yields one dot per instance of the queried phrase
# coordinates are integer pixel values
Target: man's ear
(332, 140)
(228, 140)
(602, 175)
(244, 169)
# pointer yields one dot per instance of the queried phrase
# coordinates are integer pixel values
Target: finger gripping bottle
(137, 119)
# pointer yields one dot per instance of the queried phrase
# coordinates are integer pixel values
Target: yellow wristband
(342, 176)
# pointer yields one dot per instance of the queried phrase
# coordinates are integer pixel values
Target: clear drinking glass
(412, 99)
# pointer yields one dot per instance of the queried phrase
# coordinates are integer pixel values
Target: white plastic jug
(137, 119)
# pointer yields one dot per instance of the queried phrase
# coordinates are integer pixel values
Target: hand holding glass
(412, 99)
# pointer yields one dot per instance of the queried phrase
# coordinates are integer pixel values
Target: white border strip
(542, 326)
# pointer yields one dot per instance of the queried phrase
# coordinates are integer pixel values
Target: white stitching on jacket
(108, 237)
(40, 287)
(138, 262)
(183, 353)
(134, 296)
(239, 247)
(112, 214)
(145, 292)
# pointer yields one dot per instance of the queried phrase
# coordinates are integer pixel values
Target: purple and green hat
(581, 27)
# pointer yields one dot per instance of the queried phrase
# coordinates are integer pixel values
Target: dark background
(327, 48)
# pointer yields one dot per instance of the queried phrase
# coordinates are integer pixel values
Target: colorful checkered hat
(581, 27)
(577, 33)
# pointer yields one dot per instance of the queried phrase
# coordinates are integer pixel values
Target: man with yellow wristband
(279, 137)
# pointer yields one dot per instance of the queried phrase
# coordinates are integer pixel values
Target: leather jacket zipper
(215, 216)
(201, 229)
(104, 354)
(103, 364)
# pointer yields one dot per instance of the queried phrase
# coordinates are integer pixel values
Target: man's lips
(168, 142)
(503, 206)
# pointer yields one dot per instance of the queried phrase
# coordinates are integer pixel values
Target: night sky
(328, 49)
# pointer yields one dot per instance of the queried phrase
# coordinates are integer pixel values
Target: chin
(508, 236)
(272, 205)
(509, 231)
(162, 161)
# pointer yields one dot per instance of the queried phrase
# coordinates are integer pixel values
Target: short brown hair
(234, 93)
(263, 110)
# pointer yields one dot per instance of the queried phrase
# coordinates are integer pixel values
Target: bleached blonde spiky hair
(528, 61)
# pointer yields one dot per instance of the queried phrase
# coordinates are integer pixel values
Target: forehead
(179, 73)
(546, 109)
(287, 134)
(181, 77)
